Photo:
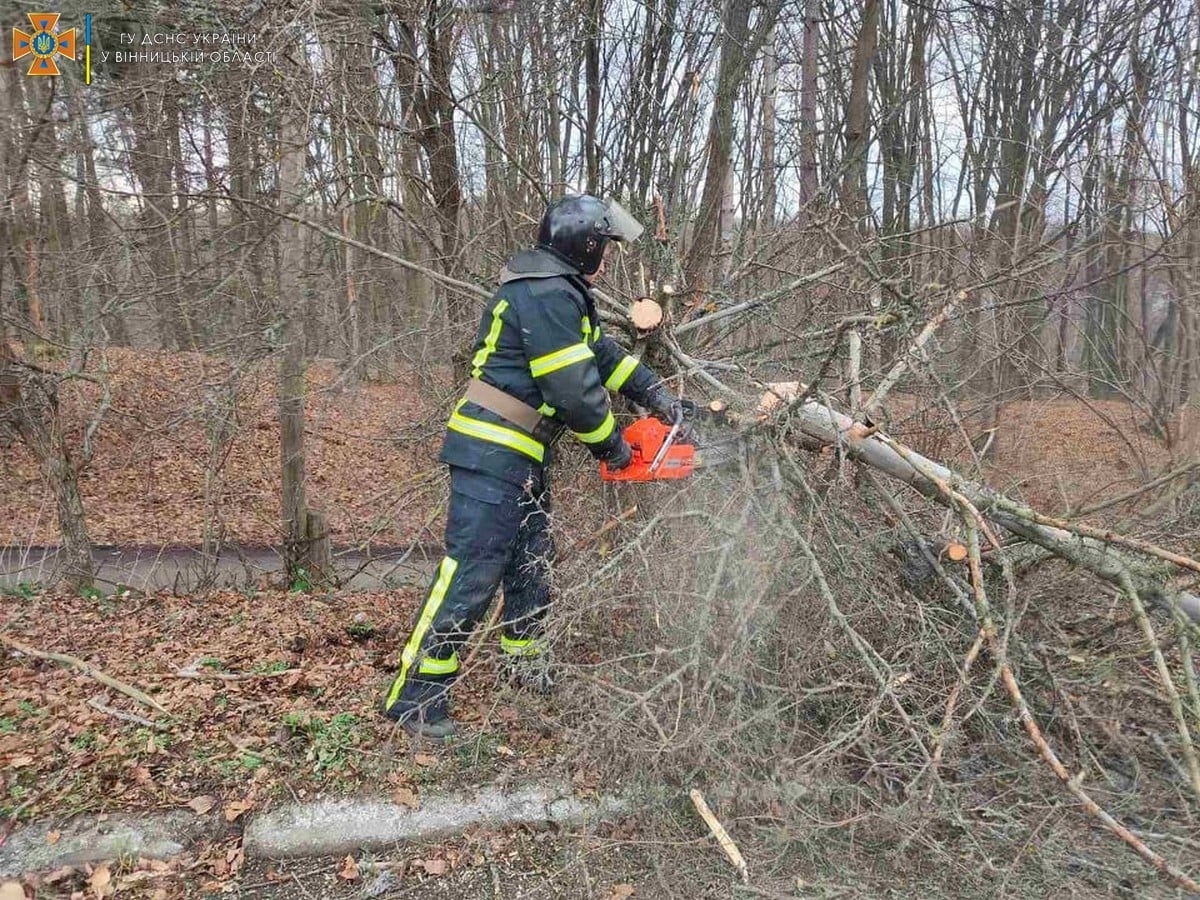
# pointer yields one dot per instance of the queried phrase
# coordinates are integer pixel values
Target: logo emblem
(44, 43)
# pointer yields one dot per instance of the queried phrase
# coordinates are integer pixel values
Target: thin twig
(871, 407)
(1138, 491)
(87, 669)
(1168, 683)
(1073, 783)
(939, 741)
(123, 716)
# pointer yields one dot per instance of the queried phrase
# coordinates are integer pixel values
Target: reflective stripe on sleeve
(621, 373)
(597, 435)
(560, 359)
(489, 343)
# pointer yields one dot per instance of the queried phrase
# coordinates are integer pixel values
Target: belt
(512, 410)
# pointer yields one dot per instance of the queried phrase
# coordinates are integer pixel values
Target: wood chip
(719, 832)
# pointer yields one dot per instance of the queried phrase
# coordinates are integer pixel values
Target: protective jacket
(540, 341)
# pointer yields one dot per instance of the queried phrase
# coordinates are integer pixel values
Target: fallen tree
(1091, 549)
(1142, 573)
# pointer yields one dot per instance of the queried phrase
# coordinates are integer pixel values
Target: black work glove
(671, 409)
(620, 456)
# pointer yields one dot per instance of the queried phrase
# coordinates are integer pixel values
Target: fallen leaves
(236, 808)
(621, 892)
(231, 745)
(100, 883)
(52, 837)
(404, 796)
(433, 866)
(202, 805)
(349, 870)
(157, 409)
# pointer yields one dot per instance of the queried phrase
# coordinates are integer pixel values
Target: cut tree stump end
(646, 314)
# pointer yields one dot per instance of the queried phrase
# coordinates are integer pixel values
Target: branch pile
(1148, 578)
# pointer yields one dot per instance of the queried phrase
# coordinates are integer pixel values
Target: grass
(85, 740)
(23, 590)
(330, 743)
(28, 709)
(271, 667)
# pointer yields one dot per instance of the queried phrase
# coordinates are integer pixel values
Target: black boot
(423, 708)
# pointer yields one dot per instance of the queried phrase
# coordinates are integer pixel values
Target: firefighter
(541, 365)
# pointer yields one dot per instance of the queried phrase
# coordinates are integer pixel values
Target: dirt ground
(272, 696)
(268, 696)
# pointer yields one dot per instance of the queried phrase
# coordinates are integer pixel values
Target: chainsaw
(657, 453)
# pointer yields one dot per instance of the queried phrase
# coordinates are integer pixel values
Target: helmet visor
(621, 225)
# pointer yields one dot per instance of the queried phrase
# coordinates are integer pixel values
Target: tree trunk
(292, 361)
(730, 74)
(29, 402)
(592, 74)
(767, 171)
(808, 113)
(854, 182)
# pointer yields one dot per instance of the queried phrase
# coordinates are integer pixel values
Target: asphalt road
(185, 569)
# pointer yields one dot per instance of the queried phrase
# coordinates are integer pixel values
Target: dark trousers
(497, 533)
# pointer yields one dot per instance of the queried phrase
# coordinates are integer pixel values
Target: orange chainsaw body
(646, 437)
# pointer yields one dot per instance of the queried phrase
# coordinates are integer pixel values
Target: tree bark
(592, 74)
(854, 180)
(767, 170)
(808, 113)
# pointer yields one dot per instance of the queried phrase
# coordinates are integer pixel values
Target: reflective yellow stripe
(496, 434)
(489, 343)
(596, 435)
(520, 646)
(432, 666)
(587, 329)
(621, 373)
(596, 334)
(560, 359)
(547, 410)
(432, 604)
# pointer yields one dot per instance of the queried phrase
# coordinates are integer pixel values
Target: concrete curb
(318, 828)
(91, 839)
(330, 827)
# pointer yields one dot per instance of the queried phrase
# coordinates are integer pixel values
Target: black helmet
(578, 228)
